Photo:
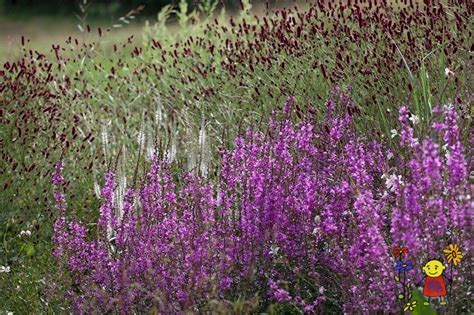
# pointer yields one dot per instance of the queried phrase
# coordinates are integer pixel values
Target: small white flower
(317, 219)
(141, 140)
(321, 290)
(218, 197)
(274, 250)
(448, 72)
(391, 181)
(150, 152)
(414, 119)
(44, 301)
(9, 313)
(105, 141)
(159, 112)
(97, 189)
(448, 106)
(25, 233)
(394, 133)
(4, 269)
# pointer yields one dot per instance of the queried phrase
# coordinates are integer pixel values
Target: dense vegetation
(251, 163)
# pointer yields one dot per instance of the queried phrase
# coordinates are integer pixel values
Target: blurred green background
(100, 8)
(44, 23)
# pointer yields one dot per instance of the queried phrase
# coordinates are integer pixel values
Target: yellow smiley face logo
(433, 268)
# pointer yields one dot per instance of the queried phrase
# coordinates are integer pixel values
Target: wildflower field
(307, 159)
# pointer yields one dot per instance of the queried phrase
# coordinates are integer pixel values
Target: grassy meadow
(180, 139)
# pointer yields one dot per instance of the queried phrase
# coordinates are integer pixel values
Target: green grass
(125, 101)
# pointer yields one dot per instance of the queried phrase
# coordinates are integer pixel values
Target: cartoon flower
(410, 306)
(403, 265)
(399, 251)
(453, 254)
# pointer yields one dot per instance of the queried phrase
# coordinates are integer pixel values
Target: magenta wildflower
(291, 210)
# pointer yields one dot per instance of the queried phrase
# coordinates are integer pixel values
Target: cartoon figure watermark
(454, 257)
(436, 282)
(434, 286)
(402, 266)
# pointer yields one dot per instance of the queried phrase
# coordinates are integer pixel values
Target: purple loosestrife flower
(277, 293)
(432, 205)
(106, 218)
(407, 133)
(368, 260)
(302, 205)
(60, 222)
(57, 178)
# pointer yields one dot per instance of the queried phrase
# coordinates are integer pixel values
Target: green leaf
(397, 278)
(421, 309)
(401, 296)
(28, 249)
